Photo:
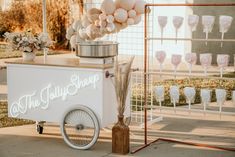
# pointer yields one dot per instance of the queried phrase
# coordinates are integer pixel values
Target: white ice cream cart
(80, 97)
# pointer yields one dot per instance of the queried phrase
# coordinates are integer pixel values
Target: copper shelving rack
(146, 74)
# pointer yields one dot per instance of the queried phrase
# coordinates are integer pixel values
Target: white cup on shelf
(162, 21)
(191, 59)
(189, 93)
(206, 60)
(221, 96)
(177, 22)
(205, 98)
(175, 61)
(160, 56)
(222, 61)
(193, 21)
(208, 24)
(225, 23)
(175, 95)
(159, 94)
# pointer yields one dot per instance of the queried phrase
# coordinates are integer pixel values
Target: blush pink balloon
(160, 55)
(176, 59)
(222, 60)
(191, 58)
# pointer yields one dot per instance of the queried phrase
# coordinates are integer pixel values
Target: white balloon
(118, 26)
(93, 14)
(93, 18)
(127, 4)
(108, 7)
(110, 27)
(70, 31)
(93, 11)
(85, 21)
(120, 15)
(82, 33)
(78, 38)
(139, 6)
(101, 33)
(92, 31)
(97, 23)
(131, 13)
(68, 37)
(137, 19)
(89, 30)
(102, 24)
(76, 25)
(130, 21)
(73, 41)
(102, 17)
(78, 28)
(110, 19)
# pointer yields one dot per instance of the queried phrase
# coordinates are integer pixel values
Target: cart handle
(108, 74)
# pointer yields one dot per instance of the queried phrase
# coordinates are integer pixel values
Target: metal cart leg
(80, 128)
(39, 126)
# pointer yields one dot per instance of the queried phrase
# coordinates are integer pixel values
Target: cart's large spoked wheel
(80, 128)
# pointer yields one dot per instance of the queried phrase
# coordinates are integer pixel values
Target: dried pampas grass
(121, 83)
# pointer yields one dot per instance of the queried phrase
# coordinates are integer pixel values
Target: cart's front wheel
(39, 129)
(80, 128)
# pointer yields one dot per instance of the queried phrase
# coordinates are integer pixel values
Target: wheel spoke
(80, 128)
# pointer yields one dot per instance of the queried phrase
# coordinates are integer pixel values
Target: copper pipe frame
(146, 11)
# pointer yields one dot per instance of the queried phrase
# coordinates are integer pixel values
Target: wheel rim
(80, 128)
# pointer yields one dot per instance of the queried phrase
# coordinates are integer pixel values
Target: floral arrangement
(27, 42)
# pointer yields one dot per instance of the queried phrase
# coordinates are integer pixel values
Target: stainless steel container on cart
(97, 49)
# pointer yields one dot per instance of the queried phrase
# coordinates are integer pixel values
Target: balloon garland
(112, 17)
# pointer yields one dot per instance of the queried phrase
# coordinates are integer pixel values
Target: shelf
(192, 39)
(179, 75)
(192, 110)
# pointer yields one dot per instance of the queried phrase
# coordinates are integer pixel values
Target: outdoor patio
(25, 141)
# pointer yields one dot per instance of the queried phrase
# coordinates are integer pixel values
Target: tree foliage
(27, 15)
